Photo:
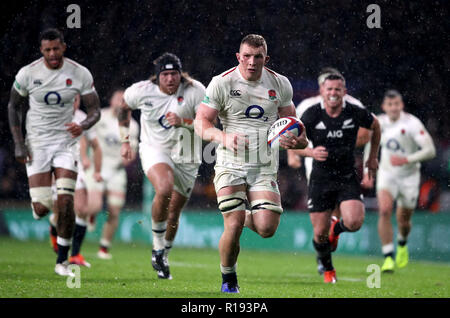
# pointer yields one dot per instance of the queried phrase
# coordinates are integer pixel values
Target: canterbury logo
(235, 93)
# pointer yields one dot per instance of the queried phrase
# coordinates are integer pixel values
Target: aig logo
(335, 134)
(235, 93)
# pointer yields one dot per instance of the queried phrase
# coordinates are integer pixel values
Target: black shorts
(326, 194)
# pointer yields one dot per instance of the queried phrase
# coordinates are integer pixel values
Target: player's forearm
(15, 116)
(206, 130)
(306, 152)
(286, 111)
(124, 118)
(375, 139)
(97, 158)
(427, 152)
(92, 103)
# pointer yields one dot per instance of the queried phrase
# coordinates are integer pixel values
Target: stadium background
(119, 40)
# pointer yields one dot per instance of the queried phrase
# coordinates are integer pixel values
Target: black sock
(229, 278)
(339, 228)
(402, 242)
(63, 252)
(390, 254)
(324, 254)
(53, 230)
(78, 237)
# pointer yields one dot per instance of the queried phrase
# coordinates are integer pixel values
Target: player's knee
(40, 210)
(234, 227)
(164, 191)
(41, 201)
(385, 211)
(266, 231)
(354, 224)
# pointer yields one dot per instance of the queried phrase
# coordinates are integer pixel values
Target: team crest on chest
(180, 100)
(68, 82)
(272, 94)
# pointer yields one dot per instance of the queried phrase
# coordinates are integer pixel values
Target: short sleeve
(286, 93)
(131, 97)
(418, 132)
(365, 118)
(199, 95)
(21, 81)
(214, 96)
(87, 86)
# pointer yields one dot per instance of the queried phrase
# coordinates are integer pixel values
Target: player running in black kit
(332, 126)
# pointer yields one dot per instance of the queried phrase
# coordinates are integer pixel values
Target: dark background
(119, 40)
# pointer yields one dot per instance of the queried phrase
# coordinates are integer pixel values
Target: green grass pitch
(26, 270)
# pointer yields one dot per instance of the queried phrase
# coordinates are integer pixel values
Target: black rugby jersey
(337, 135)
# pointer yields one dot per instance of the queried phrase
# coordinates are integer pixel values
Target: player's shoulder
(353, 100)
(410, 118)
(311, 111)
(282, 80)
(226, 77)
(75, 66)
(354, 106)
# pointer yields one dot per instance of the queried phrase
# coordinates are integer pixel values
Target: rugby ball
(281, 127)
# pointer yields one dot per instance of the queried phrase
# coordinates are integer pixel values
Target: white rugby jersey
(107, 131)
(51, 95)
(404, 137)
(307, 103)
(248, 108)
(154, 105)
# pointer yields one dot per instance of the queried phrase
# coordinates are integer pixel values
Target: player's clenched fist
(173, 119)
(74, 129)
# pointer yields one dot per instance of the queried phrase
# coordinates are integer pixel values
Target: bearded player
(50, 146)
(247, 99)
(405, 143)
(169, 154)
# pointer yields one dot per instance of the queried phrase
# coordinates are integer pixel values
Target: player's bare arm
(92, 103)
(86, 163)
(124, 118)
(204, 127)
(15, 110)
(98, 155)
(372, 161)
(174, 120)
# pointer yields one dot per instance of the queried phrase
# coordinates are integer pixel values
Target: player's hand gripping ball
(281, 127)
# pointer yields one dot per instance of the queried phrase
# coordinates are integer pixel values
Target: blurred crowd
(118, 42)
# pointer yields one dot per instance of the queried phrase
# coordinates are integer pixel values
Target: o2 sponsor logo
(53, 98)
(255, 112)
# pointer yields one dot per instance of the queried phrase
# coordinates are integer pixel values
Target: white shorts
(403, 189)
(184, 173)
(256, 179)
(113, 180)
(56, 156)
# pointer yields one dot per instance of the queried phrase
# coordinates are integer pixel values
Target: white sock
(63, 242)
(228, 270)
(388, 248)
(158, 233)
(105, 242)
(80, 221)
